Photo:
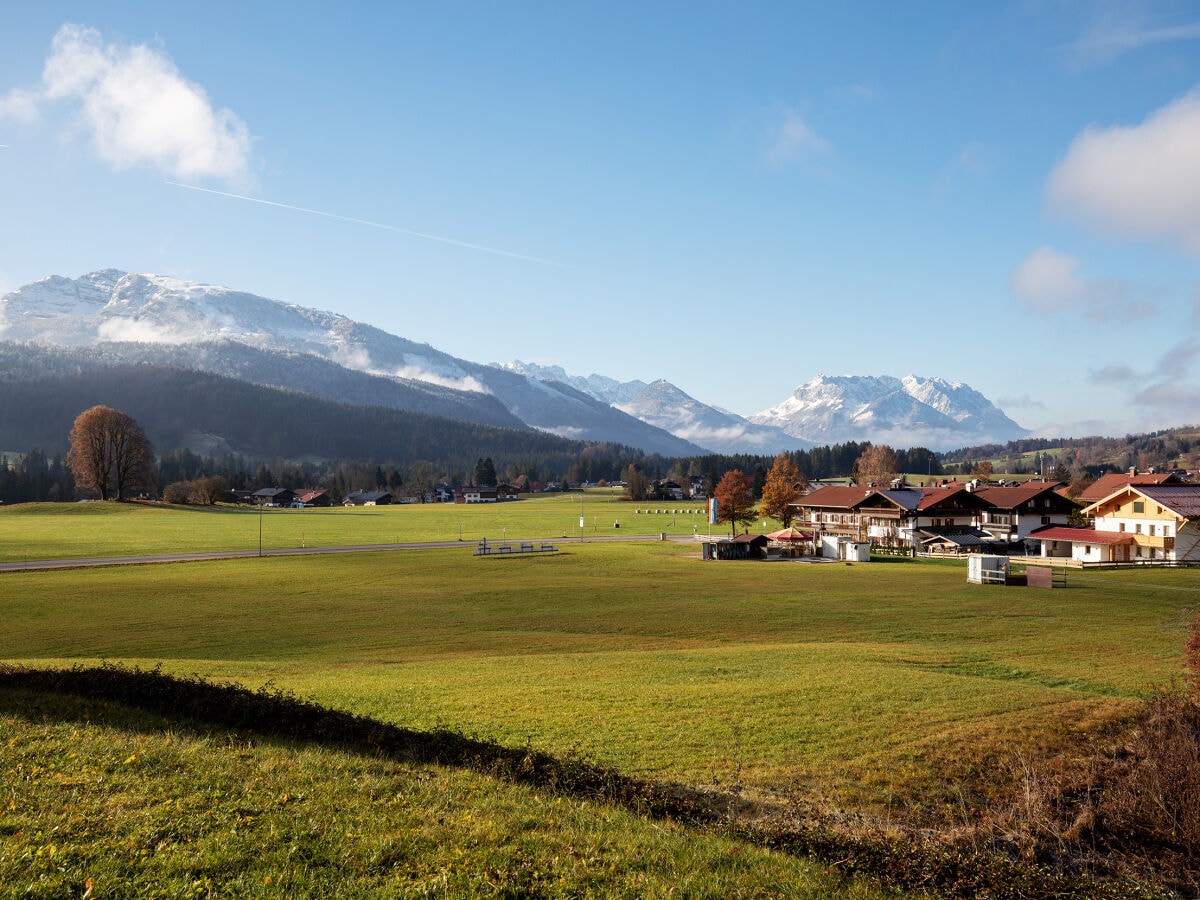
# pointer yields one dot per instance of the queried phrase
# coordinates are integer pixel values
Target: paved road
(89, 562)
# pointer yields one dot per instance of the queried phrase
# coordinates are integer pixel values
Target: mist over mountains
(114, 318)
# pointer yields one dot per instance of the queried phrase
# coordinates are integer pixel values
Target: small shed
(744, 546)
(983, 569)
(836, 547)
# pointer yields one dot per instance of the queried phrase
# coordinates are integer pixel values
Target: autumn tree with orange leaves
(783, 487)
(735, 500)
(109, 453)
(877, 465)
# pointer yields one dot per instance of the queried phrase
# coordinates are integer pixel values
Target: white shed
(987, 569)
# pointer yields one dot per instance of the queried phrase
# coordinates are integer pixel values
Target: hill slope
(212, 414)
(107, 309)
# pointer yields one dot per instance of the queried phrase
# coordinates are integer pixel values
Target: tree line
(109, 455)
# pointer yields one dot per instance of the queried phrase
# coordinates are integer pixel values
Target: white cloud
(137, 107)
(1141, 181)
(464, 383)
(19, 105)
(1109, 37)
(1050, 281)
(137, 331)
(793, 140)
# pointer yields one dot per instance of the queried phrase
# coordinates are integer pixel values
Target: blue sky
(734, 197)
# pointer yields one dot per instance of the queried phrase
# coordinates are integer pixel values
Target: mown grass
(62, 530)
(101, 800)
(880, 687)
(865, 679)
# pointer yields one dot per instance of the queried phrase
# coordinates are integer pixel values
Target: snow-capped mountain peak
(129, 313)
(908, 411)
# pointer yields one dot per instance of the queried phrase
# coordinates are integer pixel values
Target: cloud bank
(1137, 182)
(136, 107)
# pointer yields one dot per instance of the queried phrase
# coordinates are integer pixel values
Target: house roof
(1012, 497)
(1107, 485)
(367, 495)
(905, 498)
(961, 536)
(1081, 535)
(751, 539)
(908, 499)
(836, 496)
(309, 496)
(958, 495)
(1181, 499)
(270, 492)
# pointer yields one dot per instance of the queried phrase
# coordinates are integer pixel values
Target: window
(1152, 531)
(1122, 526)
(1139, 506)
(1138, 528)
(1045, 520)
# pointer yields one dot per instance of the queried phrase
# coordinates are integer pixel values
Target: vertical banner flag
(712, 511)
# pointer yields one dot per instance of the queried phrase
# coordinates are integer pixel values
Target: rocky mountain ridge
(153, 318)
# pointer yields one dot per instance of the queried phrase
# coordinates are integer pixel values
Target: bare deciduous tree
(109, 453)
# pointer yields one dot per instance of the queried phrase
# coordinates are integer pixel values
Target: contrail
(329, 215)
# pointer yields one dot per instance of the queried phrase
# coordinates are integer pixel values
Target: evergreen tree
(485, 472)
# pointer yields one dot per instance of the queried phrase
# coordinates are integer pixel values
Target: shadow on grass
(136, 699)
(275, 714)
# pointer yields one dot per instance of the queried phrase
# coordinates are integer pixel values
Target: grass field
(41, 530)
(867, 685)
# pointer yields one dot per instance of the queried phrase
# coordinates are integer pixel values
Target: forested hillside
(1165, 449)
(181, 409)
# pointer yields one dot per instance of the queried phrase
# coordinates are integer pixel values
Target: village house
(367, 498)
(314, 497)
(1113, 481)
(273, 497)
(1134, 524)
(475, 493)
(895, 517)
(1013, 513)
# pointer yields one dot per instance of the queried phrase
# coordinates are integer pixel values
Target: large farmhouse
(1133, 524)
(952, 517)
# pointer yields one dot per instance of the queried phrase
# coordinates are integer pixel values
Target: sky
(735, 197)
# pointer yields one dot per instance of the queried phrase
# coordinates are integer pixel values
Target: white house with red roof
(1157, 523)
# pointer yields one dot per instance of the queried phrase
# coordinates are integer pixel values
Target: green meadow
(60, 530)
(862, 686)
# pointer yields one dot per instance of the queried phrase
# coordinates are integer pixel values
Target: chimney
(1132, 470)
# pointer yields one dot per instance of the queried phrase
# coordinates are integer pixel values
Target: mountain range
(110, 317)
